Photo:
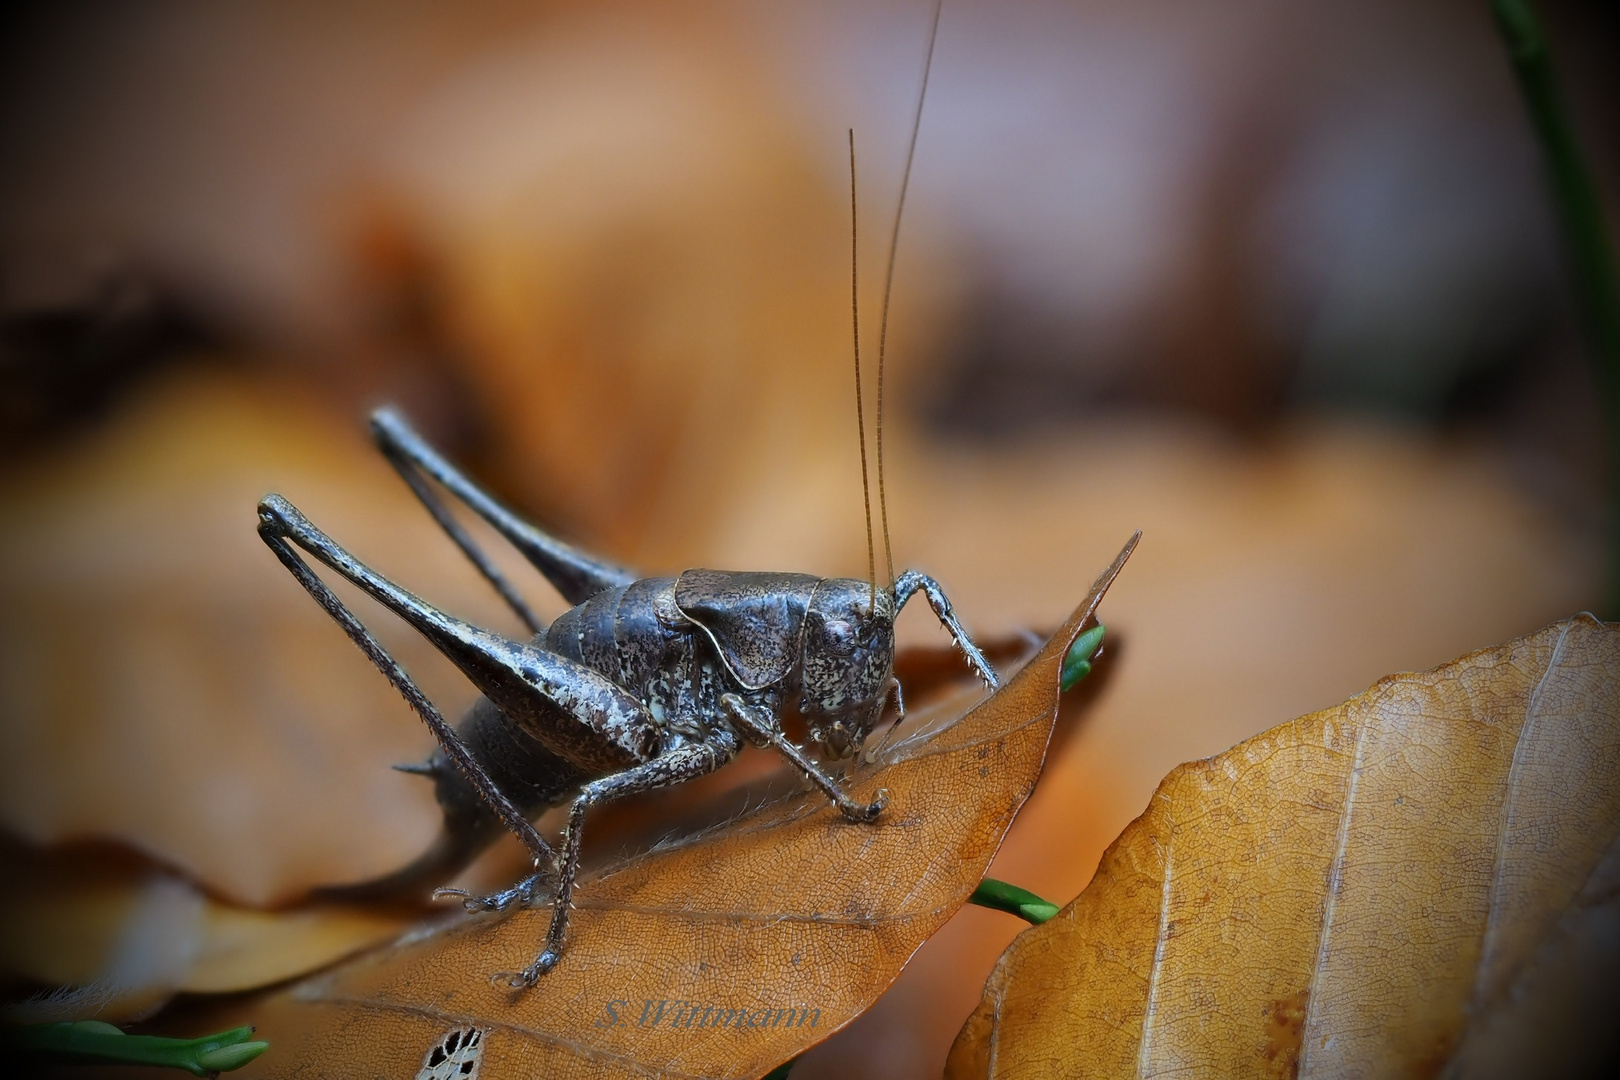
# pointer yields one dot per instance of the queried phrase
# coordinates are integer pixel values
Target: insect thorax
(637, 636)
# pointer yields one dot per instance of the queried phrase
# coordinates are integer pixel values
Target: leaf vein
(1329, 907)
(1490, 942)
(1143, 1050)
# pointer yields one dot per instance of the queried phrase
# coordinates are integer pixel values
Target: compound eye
(840, 635)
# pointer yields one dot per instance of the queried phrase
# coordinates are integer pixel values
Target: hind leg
(277, 528)
(576, 575)
(576, 713)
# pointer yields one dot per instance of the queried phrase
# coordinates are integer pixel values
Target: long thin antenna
(888, 283)
(860, 409)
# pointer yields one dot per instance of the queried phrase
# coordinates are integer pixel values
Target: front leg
(761, 729)
(909, 584)
(683, 763)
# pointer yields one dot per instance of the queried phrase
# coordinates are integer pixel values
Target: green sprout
(1013, 900)
(1077, 661)
(85, 1042)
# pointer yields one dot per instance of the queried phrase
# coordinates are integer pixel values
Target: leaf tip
(1099, 589)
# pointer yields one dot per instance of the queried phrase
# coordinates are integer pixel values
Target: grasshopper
(644, 683)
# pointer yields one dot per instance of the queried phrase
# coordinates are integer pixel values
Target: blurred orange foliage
(605, 265)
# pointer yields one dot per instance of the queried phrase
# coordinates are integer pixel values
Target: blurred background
(1279, 284)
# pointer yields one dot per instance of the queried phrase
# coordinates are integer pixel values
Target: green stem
(94, 1042)
(1013, 900)
(781, 1071)
(1580, 212)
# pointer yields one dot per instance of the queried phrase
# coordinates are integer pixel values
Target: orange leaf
(165, 687)
(723, 955)
(122, 935)
(1345, 890)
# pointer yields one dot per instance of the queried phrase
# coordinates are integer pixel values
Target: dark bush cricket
(644, 683)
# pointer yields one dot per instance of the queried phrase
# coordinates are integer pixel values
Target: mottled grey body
(678, 645)
(643, 683)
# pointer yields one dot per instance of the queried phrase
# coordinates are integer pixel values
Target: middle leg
(683, 763)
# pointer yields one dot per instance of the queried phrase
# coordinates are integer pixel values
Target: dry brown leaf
(125, 935)
(786, 908)
(1343, 892)
(164, 684)
(1556, 1019)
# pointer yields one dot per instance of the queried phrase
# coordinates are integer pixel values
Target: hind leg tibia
(574, 574)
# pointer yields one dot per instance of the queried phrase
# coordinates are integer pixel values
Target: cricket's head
(846, 662)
